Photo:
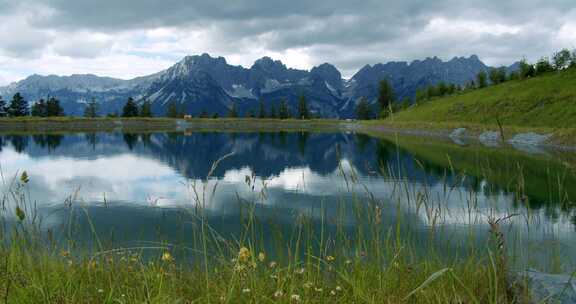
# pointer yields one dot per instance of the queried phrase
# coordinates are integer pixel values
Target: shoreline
(559, 139)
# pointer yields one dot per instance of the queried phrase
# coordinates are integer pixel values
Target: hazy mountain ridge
(204, 83)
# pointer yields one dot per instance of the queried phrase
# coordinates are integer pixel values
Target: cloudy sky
(127, 38)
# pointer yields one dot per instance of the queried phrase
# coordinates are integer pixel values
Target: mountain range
(205, 83)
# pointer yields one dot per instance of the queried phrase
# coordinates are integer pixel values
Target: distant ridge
(203, 83)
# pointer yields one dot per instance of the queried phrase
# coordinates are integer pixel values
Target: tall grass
(320, 260)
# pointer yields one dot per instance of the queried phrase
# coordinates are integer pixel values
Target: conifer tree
(38, 109)
(130, 108)
(172, 110)
(261, 110)
(233, 113)
(303, 112)
(283, 112)
(145, 109)
(53, 107)
(91, 110)
(385, 96)
(363, 111)
(18, 106)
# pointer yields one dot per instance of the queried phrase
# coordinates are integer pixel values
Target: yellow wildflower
(243, 255)
(261, 257)
(167, 257)
(330, 258)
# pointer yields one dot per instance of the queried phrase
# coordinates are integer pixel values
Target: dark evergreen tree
(3, 109)
(145, 109)
(261, 109)
(215, 116)
(204, 114)
(273, 112)
(18, 106)
(363, 111)
(172, 110)
(53, 108)
(91, 110)
(233, 113)
(481, 79)
(39, 109)
(303, 112)
(130, 108)
(385, 96)
(283, 112)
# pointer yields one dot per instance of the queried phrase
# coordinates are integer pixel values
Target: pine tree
(385, 96)
(283, 112)
(53, 108)
(481, 79)
(3, 110)
(273, 112)
(18, 106)
(38, 109)
(172, 110)
(130, 108)
(91, 110)
(146, 109)
(204, 114)
(303, 112)
(233, 113)
(261, 110)
(363, 111)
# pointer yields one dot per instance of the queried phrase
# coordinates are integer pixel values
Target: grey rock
(458, 136)
(460, 132)
(530, 138)
(549, 288)
(490, 138)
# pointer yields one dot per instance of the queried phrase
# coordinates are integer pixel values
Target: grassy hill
(547, 101)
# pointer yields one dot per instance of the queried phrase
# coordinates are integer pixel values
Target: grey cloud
(344, 32)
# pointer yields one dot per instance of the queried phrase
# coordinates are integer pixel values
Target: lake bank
(557, 138)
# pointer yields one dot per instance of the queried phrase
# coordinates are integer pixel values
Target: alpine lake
(147, 191)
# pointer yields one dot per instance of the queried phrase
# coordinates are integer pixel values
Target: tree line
(18, 107)
(131, 109)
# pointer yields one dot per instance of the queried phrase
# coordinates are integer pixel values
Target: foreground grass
(307, 265)
(248, 277)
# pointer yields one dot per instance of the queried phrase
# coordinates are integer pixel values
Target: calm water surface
(138, 188)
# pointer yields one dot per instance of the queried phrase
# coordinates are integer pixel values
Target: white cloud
(137, 38)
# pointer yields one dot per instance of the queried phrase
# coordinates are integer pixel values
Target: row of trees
(282, 112)
(18, 107)
(48, 108)
(385, 102)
